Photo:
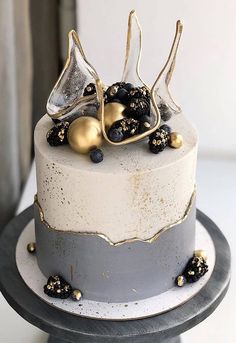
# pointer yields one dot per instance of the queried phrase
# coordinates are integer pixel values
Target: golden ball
(176, 140)
(76, 294)
(113, 111)
(201, 253)
(31, 247)
(85, 134)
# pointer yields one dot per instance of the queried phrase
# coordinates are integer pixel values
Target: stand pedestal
(64, 327)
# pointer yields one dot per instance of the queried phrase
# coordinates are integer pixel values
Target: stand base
(176, 339)
(71, 328)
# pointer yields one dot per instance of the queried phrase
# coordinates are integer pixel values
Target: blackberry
(166, 128)
(158, 141)
(57, 287)
(138, 107)
(57, 135)
(127, 127)
(195, 269)
(89, 89)
(111, 92)
(139, 92)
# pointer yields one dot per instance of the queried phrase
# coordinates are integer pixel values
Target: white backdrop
(204, 79)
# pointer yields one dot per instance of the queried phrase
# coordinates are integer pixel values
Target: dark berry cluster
(89, 89)
(123, 129)
(118, 92)
(194, 270)
(137, 99)
(139, 92)
(159, 139)
(137, 108)
(57, 135)
(57, 287)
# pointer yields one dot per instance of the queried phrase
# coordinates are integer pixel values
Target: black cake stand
(65, 327)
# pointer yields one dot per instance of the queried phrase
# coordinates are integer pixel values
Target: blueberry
(96, 156)
(128, 86)
(122, 95)
(115, 135)
(166, 128)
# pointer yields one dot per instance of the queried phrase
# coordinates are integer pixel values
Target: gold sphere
(85, 134)
(201, 253)
(113, 111)
(176, 140)
(76, 294)
(31, 247)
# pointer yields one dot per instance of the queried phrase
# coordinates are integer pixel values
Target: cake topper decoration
(122, 113)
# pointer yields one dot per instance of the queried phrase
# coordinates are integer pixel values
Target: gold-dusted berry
(31, 247)
(176, 140)
(76, 294)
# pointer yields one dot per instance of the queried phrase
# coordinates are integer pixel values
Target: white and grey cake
(123, 229)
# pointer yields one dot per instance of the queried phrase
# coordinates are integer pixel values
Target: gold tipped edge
(107, 239)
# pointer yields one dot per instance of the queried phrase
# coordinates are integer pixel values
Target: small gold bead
(31, 247)
(176, 140)
(201, 253)
(76, 295)
(180, 280)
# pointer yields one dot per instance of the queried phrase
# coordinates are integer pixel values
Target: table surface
(216, 188)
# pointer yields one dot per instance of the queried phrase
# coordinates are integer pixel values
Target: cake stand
(64, 327)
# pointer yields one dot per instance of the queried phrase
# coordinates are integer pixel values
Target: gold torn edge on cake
(130, 240)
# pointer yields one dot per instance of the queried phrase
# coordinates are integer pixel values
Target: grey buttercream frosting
(127, 272)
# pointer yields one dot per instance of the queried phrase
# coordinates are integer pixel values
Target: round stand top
(72, 328)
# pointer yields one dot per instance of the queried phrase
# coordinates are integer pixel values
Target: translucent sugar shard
(133, 51)
(76, 75)
(160, 88)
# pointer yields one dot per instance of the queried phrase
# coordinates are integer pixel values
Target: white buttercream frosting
(131, 194)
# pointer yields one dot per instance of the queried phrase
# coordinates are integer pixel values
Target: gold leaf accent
(130, 240)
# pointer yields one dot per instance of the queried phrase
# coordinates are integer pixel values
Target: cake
(123, 229)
